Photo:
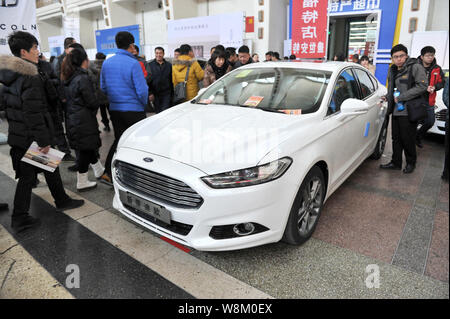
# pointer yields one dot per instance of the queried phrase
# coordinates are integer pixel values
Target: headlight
(249, 176)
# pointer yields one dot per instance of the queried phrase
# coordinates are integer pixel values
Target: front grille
(156, 186)
(441, 115)
(179, 228)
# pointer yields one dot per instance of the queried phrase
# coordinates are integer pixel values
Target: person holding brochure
(82, 126)
(27, 112)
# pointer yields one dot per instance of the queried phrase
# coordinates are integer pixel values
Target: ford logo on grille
(148, 160)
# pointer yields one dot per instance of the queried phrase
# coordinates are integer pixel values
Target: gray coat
(398, 78)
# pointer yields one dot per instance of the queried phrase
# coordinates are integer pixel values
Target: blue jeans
(426, 123)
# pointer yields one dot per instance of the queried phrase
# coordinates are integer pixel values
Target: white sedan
(252, 159)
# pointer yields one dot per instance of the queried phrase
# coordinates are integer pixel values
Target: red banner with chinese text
(309, 28)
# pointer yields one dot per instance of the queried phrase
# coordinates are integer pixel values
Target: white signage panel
(16, 15)
(203, 33)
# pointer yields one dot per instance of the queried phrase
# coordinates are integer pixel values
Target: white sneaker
(83, 184)
(98, 168)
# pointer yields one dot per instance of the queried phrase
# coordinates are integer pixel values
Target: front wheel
(305, 211)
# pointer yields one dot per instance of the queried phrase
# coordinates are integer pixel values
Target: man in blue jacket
(123, 81)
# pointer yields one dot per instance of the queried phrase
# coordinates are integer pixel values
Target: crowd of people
(56, 103)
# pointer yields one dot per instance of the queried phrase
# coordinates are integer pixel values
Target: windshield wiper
(268, 109)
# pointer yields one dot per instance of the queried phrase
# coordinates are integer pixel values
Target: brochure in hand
(48, 162)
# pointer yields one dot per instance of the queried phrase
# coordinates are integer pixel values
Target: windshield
(293, 91)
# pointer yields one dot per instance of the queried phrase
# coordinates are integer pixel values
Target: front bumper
(266, 204)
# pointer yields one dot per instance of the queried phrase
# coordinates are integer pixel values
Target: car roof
(330, 66)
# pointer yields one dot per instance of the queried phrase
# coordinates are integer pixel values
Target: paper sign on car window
(254, 101)
(292, 112)
(206, 101)
(244, 73)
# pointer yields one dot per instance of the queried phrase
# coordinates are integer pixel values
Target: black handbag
(179, 94)
(417, 107)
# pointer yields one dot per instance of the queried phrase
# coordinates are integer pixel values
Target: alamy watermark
(373, 279)
(73, 280)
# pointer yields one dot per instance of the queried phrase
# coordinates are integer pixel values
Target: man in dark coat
(232, 57)
(244, 57)
(101, 97)
(403, 71)
(52, 87)
(59, 60)
(160, 83)
(27, 112)
(60, 137)
(3, 206)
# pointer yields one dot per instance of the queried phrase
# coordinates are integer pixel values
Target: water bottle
(400, 106)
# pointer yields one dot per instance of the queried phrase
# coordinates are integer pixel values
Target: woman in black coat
(81, 121)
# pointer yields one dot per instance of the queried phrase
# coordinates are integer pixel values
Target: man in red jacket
(436, 82)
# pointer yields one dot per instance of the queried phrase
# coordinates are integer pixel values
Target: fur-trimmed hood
(12, 67)
(183, 62)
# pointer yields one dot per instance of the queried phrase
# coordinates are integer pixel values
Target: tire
(306, 210)
(381, 143)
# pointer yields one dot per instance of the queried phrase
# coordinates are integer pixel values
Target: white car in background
(252, 159)
(440, 111)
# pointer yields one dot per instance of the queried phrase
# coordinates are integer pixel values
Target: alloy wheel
(310, 206)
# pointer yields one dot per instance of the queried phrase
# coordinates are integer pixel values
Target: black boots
(24, 222)
(70, 204)
(409, 168)
(390, 165)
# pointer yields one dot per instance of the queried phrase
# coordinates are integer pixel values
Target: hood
(12, 67)
(213, 138)
(410, 61)
(182, 62)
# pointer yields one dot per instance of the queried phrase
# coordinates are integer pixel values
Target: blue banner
(106, 39)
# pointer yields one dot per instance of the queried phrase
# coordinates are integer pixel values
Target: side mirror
(352, 107)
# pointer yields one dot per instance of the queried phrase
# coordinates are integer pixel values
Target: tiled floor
(396, 221)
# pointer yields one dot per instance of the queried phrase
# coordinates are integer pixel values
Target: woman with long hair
(81, 122)
(217, 67)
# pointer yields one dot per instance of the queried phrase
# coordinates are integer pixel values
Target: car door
(369, 123)
(342, 143)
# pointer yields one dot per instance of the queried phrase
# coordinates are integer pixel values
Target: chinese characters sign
(353, 5)
(309, 28)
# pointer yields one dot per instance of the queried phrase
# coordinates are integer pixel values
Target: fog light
(244, 229)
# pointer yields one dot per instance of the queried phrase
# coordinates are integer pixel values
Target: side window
(345, 88)
(367, 87)
(374, 81)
